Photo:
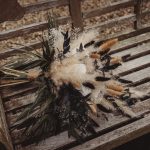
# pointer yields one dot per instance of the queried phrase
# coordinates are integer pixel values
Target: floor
(142, 143)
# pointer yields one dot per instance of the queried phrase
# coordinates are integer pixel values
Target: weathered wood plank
(9, 92)
(144, 47)
(124, 34)
(11, 117)
(10, 10)
(44, 5)
(143, 86)
(5, 35)
(115, 21)
(139, 75)
(135, 56)
(142, 81)
(112, 22)
(131, 43)
(113, 7)
(18, 103)
(135, 65)
(134, 69)
(13, 51)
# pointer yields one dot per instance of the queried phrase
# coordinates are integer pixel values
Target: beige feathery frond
(93, 107)
(113, 93)
(107, 105)
(95, 55)
(108, 44)
(125, 110)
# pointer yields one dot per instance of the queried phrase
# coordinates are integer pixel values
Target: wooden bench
(113, 131)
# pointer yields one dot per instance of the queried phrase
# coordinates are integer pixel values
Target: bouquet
(74, 74)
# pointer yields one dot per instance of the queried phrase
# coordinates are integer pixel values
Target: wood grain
(4, 132)
(44, 5)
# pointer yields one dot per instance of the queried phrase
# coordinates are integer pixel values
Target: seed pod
(104, 48)
(76, 84)
(102, 78)
(89, 85)
(95, 56)
(110, 67)
(93, 107)
(115, 60)
(89, 44)
(115, 87)
(111, 92)
(124, 81)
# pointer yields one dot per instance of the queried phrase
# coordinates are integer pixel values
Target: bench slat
(5, 35)
(119, 136)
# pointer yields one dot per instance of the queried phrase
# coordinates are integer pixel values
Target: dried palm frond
(12, 72)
